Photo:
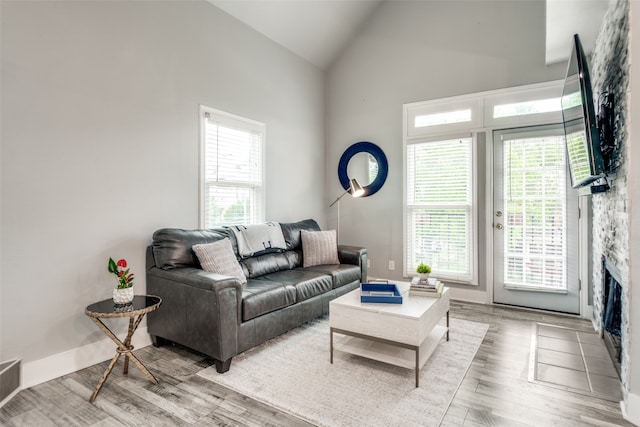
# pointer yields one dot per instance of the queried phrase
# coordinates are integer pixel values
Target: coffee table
(400, 334)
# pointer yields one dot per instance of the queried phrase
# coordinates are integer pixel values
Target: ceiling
(318, 30)
(568, 17)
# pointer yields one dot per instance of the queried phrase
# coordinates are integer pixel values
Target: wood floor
(494, 392)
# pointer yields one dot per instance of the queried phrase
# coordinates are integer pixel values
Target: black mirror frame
(377, 153)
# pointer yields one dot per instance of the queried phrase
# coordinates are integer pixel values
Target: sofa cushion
(307, 283)
(291, 232)
(264, 296)
(257, 239)
(319, 248)
(172, 247)
(341, 274)
(218, 257)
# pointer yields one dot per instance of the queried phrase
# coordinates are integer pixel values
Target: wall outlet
(392, 264)
(368, 263)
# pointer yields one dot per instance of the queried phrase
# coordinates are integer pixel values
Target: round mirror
(363, 167)
(366, 162)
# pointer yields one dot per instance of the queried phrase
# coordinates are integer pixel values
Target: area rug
(292, 373)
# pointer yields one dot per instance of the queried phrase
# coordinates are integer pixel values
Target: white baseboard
(469, 295)
(42, 370)
(631, 408)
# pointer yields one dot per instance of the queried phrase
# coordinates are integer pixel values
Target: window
(231, 169)
(537, 106)
(443, 200)
(440, 208)
(458, 116)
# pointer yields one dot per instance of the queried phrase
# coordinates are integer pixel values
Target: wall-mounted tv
(584, 154)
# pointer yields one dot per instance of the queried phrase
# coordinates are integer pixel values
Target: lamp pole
(356, 190)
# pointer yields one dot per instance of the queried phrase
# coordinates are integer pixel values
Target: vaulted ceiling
(319, 30)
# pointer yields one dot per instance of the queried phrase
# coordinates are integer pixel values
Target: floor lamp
(356, 190)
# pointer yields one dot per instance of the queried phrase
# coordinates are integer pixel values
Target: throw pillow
(218, 257)
(319, 247)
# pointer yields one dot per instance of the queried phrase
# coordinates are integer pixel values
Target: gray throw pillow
(218, 257)
(319, 248)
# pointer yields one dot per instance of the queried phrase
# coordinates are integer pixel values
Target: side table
(141, 305)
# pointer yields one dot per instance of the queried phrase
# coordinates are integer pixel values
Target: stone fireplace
(612, 311)
(610, 214)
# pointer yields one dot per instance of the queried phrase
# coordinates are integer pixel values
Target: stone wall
(609, 68)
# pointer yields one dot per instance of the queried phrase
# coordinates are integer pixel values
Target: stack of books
(431, 288)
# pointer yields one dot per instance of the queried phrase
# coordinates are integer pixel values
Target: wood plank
(494, 392)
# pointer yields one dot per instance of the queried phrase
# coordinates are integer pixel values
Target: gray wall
(100, 145)
(414, 51)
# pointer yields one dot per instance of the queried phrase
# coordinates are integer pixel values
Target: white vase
(424, 277)
(123, 296)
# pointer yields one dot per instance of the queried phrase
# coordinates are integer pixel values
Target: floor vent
(9, 380)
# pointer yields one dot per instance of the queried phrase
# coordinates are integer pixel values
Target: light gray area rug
(292, 373)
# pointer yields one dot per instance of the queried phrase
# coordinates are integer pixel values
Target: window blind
(440, 225)
(535, 213)
(232, 170)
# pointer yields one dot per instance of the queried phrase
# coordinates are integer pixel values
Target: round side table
(135, 311)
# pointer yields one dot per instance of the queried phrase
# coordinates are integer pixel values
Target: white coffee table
(400, 334)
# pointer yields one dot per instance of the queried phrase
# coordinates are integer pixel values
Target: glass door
(535, 221)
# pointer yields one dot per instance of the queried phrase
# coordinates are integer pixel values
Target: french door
(535, 221)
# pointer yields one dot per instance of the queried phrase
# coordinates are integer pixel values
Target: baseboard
(631, 408)
(39, 371)
(469, 295)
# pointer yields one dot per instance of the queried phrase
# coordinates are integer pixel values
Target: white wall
(414, 51)
(100, 146)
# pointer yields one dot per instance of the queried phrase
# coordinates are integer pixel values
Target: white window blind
(535, 213)
(232, 187)
(440, 208)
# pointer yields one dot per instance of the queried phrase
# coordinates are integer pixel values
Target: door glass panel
(535, 191)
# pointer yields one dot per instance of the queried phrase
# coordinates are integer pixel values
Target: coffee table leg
(417, 367)
(447, 325)
(331, 345)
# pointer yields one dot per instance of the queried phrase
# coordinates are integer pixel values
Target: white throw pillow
(218, 257)
(319, 247)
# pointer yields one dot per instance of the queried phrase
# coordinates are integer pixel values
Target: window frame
(472, 278)
(258, 190)
(482, 121)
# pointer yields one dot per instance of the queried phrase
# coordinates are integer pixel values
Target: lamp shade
(356, 188)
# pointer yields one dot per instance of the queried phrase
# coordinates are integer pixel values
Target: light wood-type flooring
(495, 391)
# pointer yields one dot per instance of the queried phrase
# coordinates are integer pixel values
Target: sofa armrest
(199, 310)
(355, 255)
(198, 278)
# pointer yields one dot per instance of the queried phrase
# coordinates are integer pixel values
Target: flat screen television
(584, 153)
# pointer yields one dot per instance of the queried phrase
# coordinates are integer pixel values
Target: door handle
(499, 226)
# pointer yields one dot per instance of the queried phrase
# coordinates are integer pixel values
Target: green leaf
(113, 268)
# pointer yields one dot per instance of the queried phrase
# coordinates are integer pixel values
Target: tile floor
(574, 359)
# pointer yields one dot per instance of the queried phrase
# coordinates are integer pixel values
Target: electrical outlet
(392, 264)
(368, 263)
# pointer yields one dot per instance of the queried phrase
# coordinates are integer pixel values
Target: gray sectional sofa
(218, 315)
